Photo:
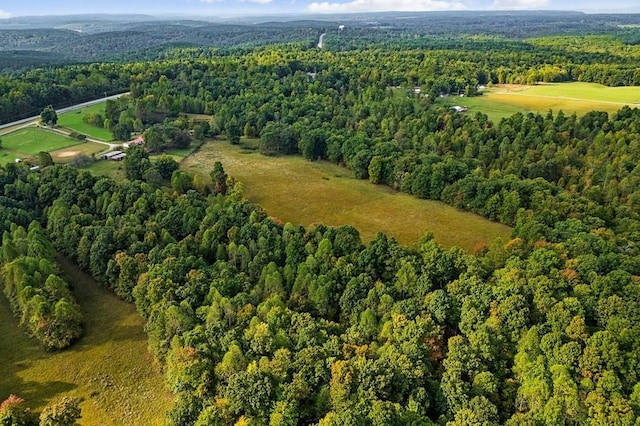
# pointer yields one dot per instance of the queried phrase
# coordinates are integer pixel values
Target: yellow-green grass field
(69, 154)
(504, 100)
(31, 140)
(110, 367)
(73, 120)
(295, 190)
(112, 169)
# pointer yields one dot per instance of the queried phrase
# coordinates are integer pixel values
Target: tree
(166, 165)
(154, 138)
(136, 162)
(122, 131)
(49, 116)
(233, 131)
(62, 413)
(219, 178)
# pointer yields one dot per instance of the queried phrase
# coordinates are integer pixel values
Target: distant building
(457, 108)
(341, 27)
(114, 156)
(139, 141)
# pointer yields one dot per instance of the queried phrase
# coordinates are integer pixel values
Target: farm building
(459, 108)
(114, 156)
(135, 142)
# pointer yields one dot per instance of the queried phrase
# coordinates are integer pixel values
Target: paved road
(321, 41)
(31, 120)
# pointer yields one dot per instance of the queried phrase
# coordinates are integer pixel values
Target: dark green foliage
(39, 298)
(292, 325)
(49, 116)
(136, 162)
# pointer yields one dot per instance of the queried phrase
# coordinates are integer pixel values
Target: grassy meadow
(504, 100)
(302, 192)
(69, 154)
(73, 120)
(110, 367)
(31, 140)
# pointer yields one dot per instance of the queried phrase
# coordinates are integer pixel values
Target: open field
(69, 154)
(303, 192)
(31, 140)
(73, 120)
(112, 169)
(504, 100)
(109, 367)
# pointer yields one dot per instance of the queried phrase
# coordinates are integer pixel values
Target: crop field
(31, 140)
(302, 192)
(109, 367)
(73, 120)
(505, 100)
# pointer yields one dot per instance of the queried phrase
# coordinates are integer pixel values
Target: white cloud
(520, 4)
(4, 15)
(385, 5)
(260, 1)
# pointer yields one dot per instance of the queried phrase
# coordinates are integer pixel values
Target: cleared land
(30, 141)
(302, 192)
(69, 154)
(505, 100)
(73, 120)
(109, 367)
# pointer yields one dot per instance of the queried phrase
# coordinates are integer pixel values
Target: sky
(12, 8)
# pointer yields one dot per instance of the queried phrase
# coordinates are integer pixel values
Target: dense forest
(259, 322)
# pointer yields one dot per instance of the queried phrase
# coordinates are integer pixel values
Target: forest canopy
(258, 321)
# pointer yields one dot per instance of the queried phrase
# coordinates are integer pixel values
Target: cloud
(519, 4)
(385, 5)
(4, 15)
(239, 1)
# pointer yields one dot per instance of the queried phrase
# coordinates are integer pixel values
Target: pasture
(302, 192)
(110, 367)
(504, 100)
(73, 120)
(31, 140)
(66, 155)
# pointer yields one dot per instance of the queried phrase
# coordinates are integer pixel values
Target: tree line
(267, 322)
(39, 297)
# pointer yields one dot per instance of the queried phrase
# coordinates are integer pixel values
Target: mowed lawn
(32, 140)
(504, 100)
(110, 367)
(73, 120)
(302, 192)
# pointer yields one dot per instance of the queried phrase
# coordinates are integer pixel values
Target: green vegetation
(72, 153)
(503, 101)
(74, 120)
(112, 169)
(38, 296)
(302, 192)
(109, 367)
(256, 321)
(30, 141)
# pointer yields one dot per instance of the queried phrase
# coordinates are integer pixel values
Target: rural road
(321, 41)
(31, 120)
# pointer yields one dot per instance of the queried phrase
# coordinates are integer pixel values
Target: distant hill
(87, 38)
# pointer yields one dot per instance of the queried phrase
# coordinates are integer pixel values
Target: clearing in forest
(303, 192)
(30, 141)
(506, 99)
(110, 367)
(74, 120)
